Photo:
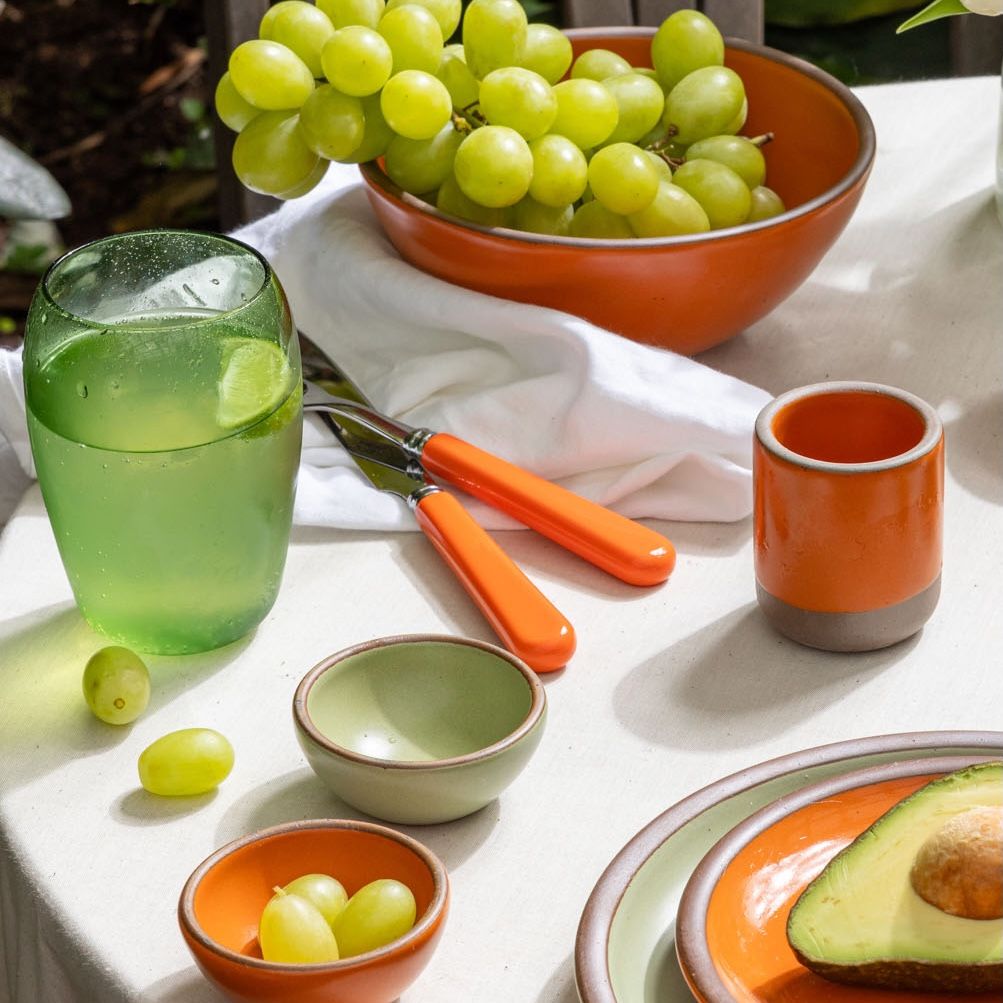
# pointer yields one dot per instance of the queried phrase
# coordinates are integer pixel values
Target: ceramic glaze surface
(222, 902)
(418, 728)
(848, 496)
(756, 878)
(682, 293)
(419, 702)
(625, 950)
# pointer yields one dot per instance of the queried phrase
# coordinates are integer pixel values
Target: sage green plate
(625, 950)
(419, 728)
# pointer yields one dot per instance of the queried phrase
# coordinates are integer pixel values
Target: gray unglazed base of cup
(850, 631)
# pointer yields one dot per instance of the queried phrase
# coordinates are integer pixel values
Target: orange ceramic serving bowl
(682, 293)
(222, 902)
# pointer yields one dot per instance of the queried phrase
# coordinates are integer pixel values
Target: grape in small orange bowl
(684, 293)
(222, 902)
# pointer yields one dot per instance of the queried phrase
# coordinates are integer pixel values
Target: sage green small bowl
(419, 728)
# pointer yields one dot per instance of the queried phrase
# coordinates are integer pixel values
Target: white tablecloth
(670, 688)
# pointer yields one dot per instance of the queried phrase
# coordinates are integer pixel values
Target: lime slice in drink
(254, 380)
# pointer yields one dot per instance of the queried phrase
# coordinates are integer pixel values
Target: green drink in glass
(163, 389)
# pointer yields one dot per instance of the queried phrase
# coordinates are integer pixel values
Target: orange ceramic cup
(849, 486)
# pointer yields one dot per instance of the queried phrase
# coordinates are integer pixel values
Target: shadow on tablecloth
(736, 682)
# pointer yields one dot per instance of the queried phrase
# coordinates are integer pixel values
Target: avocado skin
(911, 974)
(914, 975)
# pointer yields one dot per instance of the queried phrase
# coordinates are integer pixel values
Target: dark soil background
(114, 98)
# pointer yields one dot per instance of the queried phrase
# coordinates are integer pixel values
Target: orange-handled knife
(623, 548)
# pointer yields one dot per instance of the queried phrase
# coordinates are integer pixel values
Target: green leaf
(192, 108)
(932, 12)
(27, 189)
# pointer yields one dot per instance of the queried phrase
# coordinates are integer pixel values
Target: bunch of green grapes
(312, 919)
(494, 129)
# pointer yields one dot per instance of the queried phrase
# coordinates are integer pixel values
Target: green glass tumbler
(164, 396)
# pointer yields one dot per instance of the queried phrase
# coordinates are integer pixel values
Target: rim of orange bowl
(423, 925)
(593, 978)
(375, 177)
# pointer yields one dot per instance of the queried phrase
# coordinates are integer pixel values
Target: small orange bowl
(682, 293)
(222, 902)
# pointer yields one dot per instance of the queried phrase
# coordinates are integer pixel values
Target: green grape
(494, 35)
(357, 60)
(547, 51)
(326, 894)
(293, 931)
(766, 204)
(313, 179)
(685, 41)
(375, 915)
(463, 86)
(661, 165)
(586, 112)
(623, 178)
(534, 217)
(414, 37)
(186, 762)
(672, 212)
(450, 199)
(269, 75)
(560, 171)
(723, 195)
(268, 18)
(421, 165)
(704, 103)
(415, 104)
(598, 64)
(233, 110)
(647, 71)
(446, 12)
(332, 123)
(377, 134)
(343, 13)
(520, 99)
(494, 166)
(736, 152)
(640, 104)
(271, 156)
(735, 125)
(593, 219)
(116, 685)
(302, 28)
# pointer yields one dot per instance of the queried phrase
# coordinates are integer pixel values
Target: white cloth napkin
(644, 431)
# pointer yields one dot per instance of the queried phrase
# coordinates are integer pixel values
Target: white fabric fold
(642, 430)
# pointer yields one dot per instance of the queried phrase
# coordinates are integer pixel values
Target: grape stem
(766, 137)
(658, 147)
(468, 118)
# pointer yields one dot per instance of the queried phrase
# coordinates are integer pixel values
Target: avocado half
(861, 922)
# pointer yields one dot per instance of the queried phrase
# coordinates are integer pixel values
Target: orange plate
(731, 928)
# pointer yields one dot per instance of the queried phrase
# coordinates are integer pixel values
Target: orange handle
(618, 545)
(519, 612)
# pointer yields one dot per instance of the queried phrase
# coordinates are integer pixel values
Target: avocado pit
(959, 869)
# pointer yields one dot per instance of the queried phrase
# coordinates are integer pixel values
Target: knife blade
(527, 622)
